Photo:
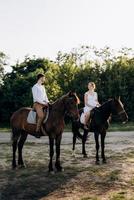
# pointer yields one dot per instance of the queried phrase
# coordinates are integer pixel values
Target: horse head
(118, 109)
(71, 102)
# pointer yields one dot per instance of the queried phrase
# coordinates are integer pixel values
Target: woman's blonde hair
(93, 84)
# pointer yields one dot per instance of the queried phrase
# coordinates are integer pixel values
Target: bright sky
(43, 27)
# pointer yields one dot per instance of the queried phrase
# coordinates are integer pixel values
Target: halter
(121, 112)
(66, 111)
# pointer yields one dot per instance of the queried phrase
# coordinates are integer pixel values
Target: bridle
(121, 112)
(67, 111)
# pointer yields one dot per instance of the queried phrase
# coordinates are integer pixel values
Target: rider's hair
(93, 84)
(39, 76)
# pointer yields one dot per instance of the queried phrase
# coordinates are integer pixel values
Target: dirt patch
(81, 180)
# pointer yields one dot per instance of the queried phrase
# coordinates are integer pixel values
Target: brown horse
(99, 125)
(53, 127)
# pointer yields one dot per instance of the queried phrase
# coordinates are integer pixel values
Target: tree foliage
(113, 73)
(3, 58)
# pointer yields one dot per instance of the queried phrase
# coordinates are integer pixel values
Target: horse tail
(14, 134)
(75, 130)
(79, 135)
(11, 135)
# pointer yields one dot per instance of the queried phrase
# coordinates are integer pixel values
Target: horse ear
(117, 98)
(71, 93)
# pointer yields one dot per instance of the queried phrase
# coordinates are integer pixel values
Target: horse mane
(69, 94)
(59, 99)
(104, 108)
(106, 102)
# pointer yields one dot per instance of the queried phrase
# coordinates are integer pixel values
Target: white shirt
(39, 94)
(92, 101)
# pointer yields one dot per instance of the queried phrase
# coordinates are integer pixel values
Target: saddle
(32, 116)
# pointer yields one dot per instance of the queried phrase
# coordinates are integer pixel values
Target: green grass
(114, 175)
(5, 127)
(119, 196)
(132, 181)
(121, 127)
(122, 195)
(90, 198)
(113, 127)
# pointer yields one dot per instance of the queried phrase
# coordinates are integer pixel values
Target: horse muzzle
(125, 121)
(124, 117)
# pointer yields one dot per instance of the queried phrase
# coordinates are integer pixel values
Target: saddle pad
(31, 119)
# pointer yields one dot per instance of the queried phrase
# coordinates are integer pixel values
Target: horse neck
(58, 108)
(106, 110)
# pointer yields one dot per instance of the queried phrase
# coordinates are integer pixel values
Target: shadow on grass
(32, 182)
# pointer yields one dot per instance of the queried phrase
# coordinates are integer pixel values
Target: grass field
(81, 180)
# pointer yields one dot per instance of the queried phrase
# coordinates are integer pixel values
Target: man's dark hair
(39, 76)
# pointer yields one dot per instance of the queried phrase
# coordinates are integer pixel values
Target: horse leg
(76, 134)
(57, 163)
(74, 130)
(103, 146)
(15, 137)
(96, 136)
(84, 139)
(74, 142)
(20, 146)
(51, 153)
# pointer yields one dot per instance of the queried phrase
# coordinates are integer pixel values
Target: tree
(3, 58)
(112, 72)
(67, 70)
(16, 91)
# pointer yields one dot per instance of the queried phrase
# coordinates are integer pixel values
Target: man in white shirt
(40, 100)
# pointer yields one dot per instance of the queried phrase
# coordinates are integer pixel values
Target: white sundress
(92, 101)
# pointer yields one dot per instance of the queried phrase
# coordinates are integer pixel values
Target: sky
(44, 27)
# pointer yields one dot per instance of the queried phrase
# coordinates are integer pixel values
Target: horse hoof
(97, 162)
(51, 172)
(14, 167)
(85, 156)
(21, 166)
(59, 169)
(104, 161)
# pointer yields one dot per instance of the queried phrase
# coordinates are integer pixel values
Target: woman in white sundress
(90, 101)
